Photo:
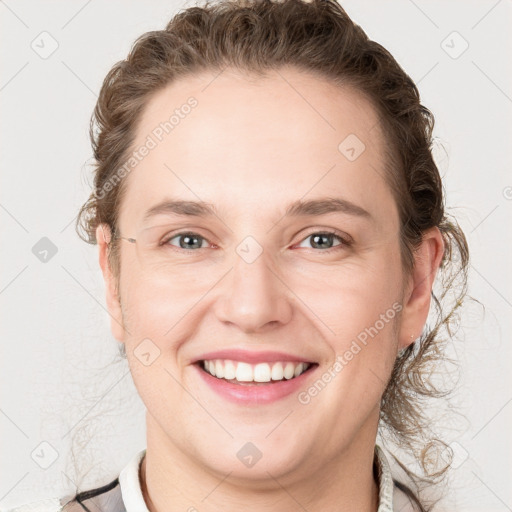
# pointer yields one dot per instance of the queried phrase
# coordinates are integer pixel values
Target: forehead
(253, 145)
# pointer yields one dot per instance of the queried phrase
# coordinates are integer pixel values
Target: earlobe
(417, 298)
(103, 236)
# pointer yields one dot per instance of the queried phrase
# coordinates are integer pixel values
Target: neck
(173, 481)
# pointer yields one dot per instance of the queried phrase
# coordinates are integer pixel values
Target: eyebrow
(312, 207)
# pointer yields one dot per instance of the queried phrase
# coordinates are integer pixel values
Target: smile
(242, 372)
(257, 384)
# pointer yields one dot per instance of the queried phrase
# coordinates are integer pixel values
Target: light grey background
(54, 327)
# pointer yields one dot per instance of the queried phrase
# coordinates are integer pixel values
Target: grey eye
(322, 240)
(188, 240)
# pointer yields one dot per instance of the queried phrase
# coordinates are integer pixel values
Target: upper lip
(251, 356)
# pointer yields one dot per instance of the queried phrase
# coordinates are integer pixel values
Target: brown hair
(318, 37)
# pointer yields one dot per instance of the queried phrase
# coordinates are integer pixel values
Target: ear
(103, 236)
(417, 295)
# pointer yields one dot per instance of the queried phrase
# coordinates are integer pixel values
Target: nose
(254, 297)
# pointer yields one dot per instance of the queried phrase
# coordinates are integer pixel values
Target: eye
(324, 239)
(188, 240)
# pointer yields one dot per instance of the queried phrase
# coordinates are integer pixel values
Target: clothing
(124, 493)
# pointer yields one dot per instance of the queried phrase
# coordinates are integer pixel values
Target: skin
(251, 147)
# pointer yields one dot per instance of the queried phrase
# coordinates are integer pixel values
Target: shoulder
(393, 494)
(44, 505)
(106, 498)
(403, 499)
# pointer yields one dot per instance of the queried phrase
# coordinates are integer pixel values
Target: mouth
(261, 374)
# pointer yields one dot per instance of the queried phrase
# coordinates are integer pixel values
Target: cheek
(359, 306)
(363, 350)
(351, 295)
(154, 305)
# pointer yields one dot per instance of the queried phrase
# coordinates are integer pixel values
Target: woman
(270, 223)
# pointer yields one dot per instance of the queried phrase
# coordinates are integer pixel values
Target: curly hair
(318, 37)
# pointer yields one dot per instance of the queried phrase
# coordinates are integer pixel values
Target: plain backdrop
(56, 342)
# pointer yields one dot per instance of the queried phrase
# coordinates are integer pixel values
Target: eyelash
(345, 241)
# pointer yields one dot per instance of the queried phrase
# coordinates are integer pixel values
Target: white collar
(134, 500)
(130, 485)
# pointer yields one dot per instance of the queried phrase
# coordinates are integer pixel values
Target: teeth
(298, 369)
(219, 369)
(261, 372)
(229, 370)
(289, 370)
(243, 372)
(277, 372)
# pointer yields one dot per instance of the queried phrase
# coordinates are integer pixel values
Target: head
(296, 131)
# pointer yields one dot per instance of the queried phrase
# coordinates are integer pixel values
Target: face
(319, 284)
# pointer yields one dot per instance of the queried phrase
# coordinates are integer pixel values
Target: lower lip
(260, 393)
